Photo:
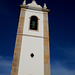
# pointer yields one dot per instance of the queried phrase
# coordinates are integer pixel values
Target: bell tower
(31, 54)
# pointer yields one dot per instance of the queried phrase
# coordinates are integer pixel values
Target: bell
(33, 24)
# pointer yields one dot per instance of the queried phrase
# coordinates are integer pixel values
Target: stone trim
(46, 45)
(16, 57)
(33, 36)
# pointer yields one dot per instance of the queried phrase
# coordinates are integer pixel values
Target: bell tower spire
(31, 52)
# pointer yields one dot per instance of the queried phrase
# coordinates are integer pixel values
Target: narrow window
(34, 23)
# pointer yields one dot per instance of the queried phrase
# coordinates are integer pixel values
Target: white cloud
(5, 65)
(58, 69)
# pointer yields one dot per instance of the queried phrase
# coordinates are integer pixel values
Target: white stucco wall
(29, 65)
(28, 14)
(35, 65)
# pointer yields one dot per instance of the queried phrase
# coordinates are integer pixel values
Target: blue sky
(62, 34)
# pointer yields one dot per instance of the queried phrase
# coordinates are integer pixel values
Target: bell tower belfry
(31, 54)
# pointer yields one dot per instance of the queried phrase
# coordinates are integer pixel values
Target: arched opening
(33, 23)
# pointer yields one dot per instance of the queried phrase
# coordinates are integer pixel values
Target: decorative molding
(34, 5)
(33, 36)
(27, 7)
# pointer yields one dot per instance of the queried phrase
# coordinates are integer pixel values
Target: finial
(24, 2)
(45, 6)
(33, 0)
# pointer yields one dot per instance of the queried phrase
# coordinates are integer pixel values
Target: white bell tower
(31, 54)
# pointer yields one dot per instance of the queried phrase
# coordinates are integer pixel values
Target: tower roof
(34, 6)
